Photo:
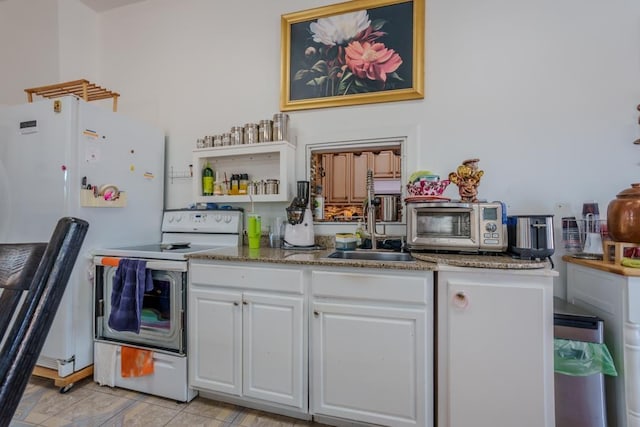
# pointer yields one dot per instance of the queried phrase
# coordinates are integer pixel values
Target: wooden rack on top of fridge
(82, 88)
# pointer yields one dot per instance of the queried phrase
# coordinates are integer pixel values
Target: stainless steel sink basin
(371, 255)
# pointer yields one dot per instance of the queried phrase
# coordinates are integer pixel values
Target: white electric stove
(164, 309)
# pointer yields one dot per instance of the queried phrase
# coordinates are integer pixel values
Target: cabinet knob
(244, 302)
(236, 303)
(460, 300)
(316, 313)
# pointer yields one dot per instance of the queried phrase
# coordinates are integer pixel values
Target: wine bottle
(207, 180)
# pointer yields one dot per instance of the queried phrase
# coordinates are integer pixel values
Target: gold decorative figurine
(467, 178)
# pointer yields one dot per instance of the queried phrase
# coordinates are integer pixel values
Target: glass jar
(217, 140)
(280, 127)
(237, 135)
(250, 133)
(244, 183)
(200, 143)
(264, 131)
(235, 185)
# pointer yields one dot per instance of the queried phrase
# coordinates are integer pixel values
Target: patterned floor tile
(142, 414)
(91, 405)
(212, 409)
(41, 402)
(254, 418)
(92, 411)
(193, 420)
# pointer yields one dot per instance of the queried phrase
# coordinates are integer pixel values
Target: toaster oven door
(442, 228)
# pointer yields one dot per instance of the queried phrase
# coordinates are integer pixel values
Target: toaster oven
(457, 226)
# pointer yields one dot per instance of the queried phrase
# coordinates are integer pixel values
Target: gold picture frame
(376, 55)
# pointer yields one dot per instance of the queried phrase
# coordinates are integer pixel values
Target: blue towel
(130, 282)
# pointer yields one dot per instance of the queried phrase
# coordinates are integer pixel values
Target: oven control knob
(227, 219)
(218, 218)
(491, 227)
(170, 219)
(179, 218)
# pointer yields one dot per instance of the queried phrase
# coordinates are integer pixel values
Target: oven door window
(161, 316)
(444, 225)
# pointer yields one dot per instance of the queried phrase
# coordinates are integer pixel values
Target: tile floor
(88, 404)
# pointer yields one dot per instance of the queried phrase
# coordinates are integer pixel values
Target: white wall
(28, 47)
(544, 93)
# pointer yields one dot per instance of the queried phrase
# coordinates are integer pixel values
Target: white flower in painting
(340, 28)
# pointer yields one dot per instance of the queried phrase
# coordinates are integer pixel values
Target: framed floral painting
(358, 52)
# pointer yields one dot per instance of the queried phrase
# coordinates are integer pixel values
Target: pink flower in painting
(371, 60)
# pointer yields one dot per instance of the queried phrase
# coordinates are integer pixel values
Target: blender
(298, 232)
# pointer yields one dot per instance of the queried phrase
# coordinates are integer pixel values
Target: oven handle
(151, 264)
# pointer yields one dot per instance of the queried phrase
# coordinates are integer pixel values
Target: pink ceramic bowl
(427, 188)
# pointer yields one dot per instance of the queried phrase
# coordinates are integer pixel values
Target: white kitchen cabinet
(247, 332)
(615, 298)
(372, 346)
(266, 160)
(495, 348)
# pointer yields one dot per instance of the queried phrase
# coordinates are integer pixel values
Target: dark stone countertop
(423, 261)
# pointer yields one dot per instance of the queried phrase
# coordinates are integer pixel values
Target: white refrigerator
(47, 148)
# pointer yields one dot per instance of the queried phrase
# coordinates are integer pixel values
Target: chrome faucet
(371, 210)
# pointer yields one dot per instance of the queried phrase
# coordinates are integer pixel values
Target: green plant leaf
(318, 81)
(301, 74)
(320, 67)
(377, 24)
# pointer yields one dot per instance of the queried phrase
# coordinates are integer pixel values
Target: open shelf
(264, 160)
(81, 88)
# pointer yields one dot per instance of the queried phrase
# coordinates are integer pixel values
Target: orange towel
(112, 262)
(135, 362)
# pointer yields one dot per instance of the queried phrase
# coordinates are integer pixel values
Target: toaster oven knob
(491, 227)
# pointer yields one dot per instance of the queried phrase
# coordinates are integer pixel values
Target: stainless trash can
(579, 400)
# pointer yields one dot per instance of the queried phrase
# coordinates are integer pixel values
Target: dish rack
(81, 88)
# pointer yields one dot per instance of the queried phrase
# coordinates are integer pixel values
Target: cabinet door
(495, 346)
(368, 363)
(274, 348)
(215, 345)
(360, 163)
(338, 166)
(384, 164)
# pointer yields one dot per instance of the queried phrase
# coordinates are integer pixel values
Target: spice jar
(272, 186)
(237, 135)
(280, 127)
(250, 133)
(264, 131)
(623, 215)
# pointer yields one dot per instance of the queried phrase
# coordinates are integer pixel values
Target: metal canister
(200, 143)
(217, 140)
(260, 186)
(250, 133)
(264, 131)
(237, 135)
(272, 186)
(208, 141)
(226, 139)
(280, 127)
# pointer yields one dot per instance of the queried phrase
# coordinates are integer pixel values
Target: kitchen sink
(371, 255)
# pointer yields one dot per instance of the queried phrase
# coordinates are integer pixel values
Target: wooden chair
(33, 278)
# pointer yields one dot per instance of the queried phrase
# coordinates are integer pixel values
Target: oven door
(162, 315)
(442, 227)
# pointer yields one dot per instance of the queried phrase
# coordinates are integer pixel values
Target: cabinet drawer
(380, 286)
(241, 276)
